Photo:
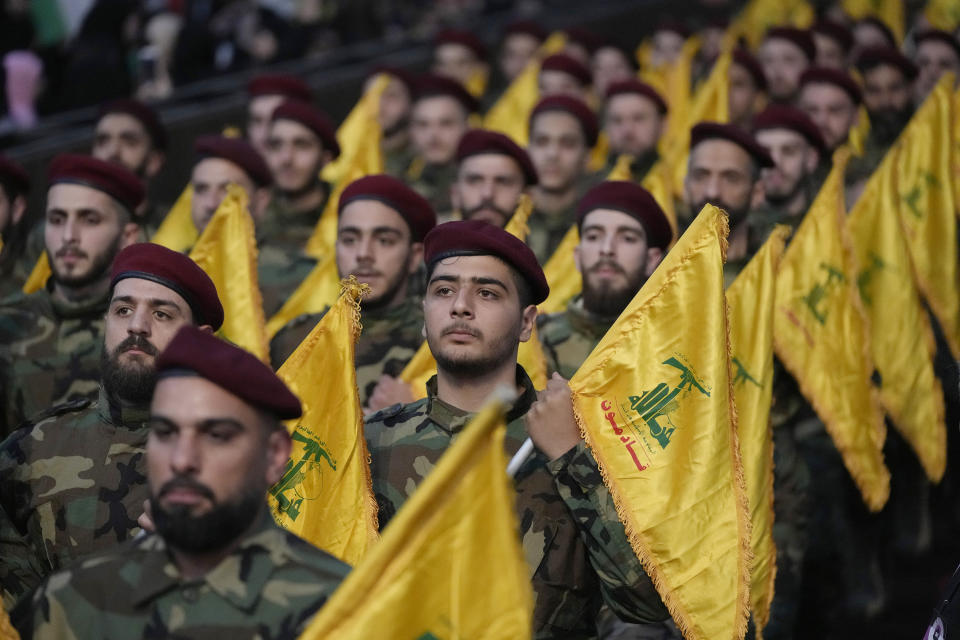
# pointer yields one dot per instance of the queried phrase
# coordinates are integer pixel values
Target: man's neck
(307, 201)
(76, 295)
(471, 394)
(194, 566)
(797, 205)
(554, 201)
(737, 245)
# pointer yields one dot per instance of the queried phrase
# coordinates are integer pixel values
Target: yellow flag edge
(640, 545)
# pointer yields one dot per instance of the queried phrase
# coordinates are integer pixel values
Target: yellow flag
(419, 370)
(820, 334)
(326, 495)
(656, 408)
(759, 15)
(857, 137)
(476, 84)
(890, 12)
(750, 300)
(928, 206)
(359, 135)
(672, 81)
(510, 114)
(449, 564)
(38, 275)
(177, 231)
(318, 291)
(943, 14)
(7, 632)
(901, 340)
(227, 252)
(562, 274)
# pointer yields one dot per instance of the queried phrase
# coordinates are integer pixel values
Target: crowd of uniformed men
(121, 410)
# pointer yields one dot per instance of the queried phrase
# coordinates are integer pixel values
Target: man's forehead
(220, 170)
(822, 93)
(438, 106)
(71, 196)
(778, 137)
(189, 398)
(558, 123)
(472, 267)
(630, 101)
(285, 128)
(117, 122)
(719, 154)
(144, 289)
(489, 164)
(369, 214)
(265, 103)
(610, 218)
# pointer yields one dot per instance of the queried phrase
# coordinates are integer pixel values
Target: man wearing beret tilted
(380, 232)
(483, 285)
(74, 474)
(217, 565)
(623, 236)
(50, 340)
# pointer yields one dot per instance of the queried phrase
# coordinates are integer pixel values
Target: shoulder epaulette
(70, 406)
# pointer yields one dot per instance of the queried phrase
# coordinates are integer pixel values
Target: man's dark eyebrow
(487, 280)
(210, 423)
(444, 278)
(155, 302)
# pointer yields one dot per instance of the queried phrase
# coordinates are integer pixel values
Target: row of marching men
(767, 175)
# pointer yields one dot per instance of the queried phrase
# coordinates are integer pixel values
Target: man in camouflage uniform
(724, 169)
(266, 92)
(14, 186)
(394, 119)
(217, 566)
(784, 54)
(380, 232)
(492, 173)
(746, 88)
(74, 477)
(623, 236)
(50, 340)
(789, 187)
(563, 130)
(483, 285)
(438, 120)
(634, 118)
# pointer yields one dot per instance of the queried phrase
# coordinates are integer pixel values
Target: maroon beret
(526, 27)
(479, 141)
(575, 107)
(568, 65)
(412, 207)
(937, 35)
(633, 200)
(237, 151)
(463, 38)
(431, 84)
(879, 24)
(872, 57)
(313, 119)
(143, 113)
(777, 116)
(837, 32)
(585, 38)
(732, 133)
(475, 237)
(800, 38)
(115, 181)
(230, 368)
(836, 77)
(638, 88)
(13, 176)
(176, 272)
(747, 60)
(408, 79)
(280, 84)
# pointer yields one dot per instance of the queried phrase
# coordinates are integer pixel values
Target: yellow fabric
(820, 335)
(322, 241)
(599, 154)
(900, 334)
(510, 114)
(672, 81)
(177, 231)
(422, 366)
(656, 408)
(562, 274)
(759, 15)
(943, 14)
(318, 291)
(658, 183)
(7, 632)
(928, 206)
(326, 495)
(359, 135)
(38, 275)
(449, 564)
(890, 12)
(750, 300)
(858, 134)
(227, 252)
(955, 150)
(477, 82)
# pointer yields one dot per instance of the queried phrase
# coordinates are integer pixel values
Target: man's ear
(259, 203)
(576, 258)
(758, 194)
(811, 160)
(278, 453)
(129, 235)
(17, 209)
(528, 321)
(654, 257)
(416, 257)
(206, 328)
(155, 160)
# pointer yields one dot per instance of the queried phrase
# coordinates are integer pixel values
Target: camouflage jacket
(575, 546)
(569, 336)
(548, 229)
(282, 263)
(74, 484)
(397, 161)
(267, 588)
(433, 181)
(387, 342)
(49, 353)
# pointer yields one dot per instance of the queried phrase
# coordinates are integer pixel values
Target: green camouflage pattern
(268, 588)
(387, 342)
(74, 484)
(433, 183)
(396, 162)
(49, 353)
(569, 336)
(548, 229)
(576, 549)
